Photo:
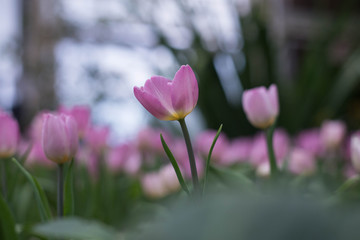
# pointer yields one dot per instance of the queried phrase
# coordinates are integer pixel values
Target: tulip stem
(3, 180)
(194, 174)
(272, 160)
(60, 193)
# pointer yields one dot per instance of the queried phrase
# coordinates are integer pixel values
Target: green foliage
(7, 222)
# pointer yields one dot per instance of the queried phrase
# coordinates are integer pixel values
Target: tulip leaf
(175, 165)
(40, 196)
(209, 156)
(69, 191)
(75, 228)
(7, 222)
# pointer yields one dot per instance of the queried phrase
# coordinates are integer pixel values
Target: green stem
(194, 174)
(60, 193)
(272, 160)
(3, 180)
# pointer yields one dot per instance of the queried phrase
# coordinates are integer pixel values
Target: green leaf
(75, 228)
(40, 196)
(7, 223)
(69, 191)
(209, 156)
(175, 165)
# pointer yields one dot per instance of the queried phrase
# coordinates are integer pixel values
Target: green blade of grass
(40, 196)
(175, 165)
(209, 156)
(7, 222)
(69, 191)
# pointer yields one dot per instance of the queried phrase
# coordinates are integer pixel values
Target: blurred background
(93, 53)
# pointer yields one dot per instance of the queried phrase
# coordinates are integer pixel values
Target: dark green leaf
(175, 165)
(40, 196)
(7, 223)
(209, 156)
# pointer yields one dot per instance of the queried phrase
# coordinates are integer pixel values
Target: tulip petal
(185, 91)
(152, 104)
(274, 98)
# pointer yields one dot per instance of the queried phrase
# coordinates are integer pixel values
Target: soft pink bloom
(86, 157)
(259, 153)
(97, 137)
(169, 178)
(37, 157)
(263, 169)
(81, 115)
(149, 144)
(310, 141)
(60, 138)
(301, 162)
(332, 134)
(203, 143)
(355, 152)
(261, 106)
(153, 185)
(237, 151)
(36, 127)
(124, 157)
(9, 135)
(170, 100)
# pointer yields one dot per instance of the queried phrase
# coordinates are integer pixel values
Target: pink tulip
(310, 141)
(97, 137)
(237, 151)
(332, 134)
(355, 152)
(169, 178)
(203, 143)
(36, 127)
(37, 157)
(153, 185)
(261, 106)
(59, 138)
(9, 135)
(81, 115)
(301, 162)
(170, 100)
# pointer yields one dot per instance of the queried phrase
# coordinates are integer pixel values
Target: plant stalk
(60, 191)
(191, 155)
(272, 159)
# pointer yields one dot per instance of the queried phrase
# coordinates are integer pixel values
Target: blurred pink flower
(355, 152)
(237, 151)
(261, 106)
(259, 153)
(59, 138)
(124, 158)
(9, 135)
(203, 143)
(332, 134)
(96, 137)
(153, 185)
(169, 178)
(149, 144)
(170, 100)
(301, 162)
(37, 157)
(36, 127)
(81, 114)
(310, 141)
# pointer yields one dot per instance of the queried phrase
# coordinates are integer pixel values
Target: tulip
(203, 143)
(96, 137)
(170, 100)
(332, 134)
(81, 116)
(310, 141)
(355, 152)
(9, 135)
(153, 185)
(173, 100)
(261, 106)
(301, 162)
(59, 138)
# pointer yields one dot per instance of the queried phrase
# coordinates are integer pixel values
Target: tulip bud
(355, 152)
(59, 137)
(261, 106)
(170, 100)
(9, 135)
(301, 162)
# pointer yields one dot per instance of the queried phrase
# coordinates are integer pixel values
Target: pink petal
(185, 91)
(274, 98)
